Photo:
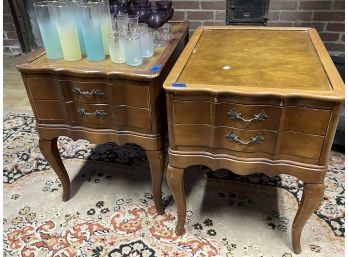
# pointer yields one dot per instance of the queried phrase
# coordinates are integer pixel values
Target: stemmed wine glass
(154, 16)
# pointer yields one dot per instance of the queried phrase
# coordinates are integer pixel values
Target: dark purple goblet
(121, 3)
(141, 12)
(141, 3)
(156, 19)
(167, 13)
(164, 4)
(170, 13)
(118, 10)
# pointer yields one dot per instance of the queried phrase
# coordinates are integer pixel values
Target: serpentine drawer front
(102, 102)
(90, 92)
(254, 105)
(297, 118)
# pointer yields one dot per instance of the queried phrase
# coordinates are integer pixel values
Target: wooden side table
(254, 99)
(102, 102)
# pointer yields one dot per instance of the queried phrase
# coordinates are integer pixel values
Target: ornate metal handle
(234, 115)
(97, 113)
(94, 92)
(258, 139)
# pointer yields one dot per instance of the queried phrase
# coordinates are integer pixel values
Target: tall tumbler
(48, 31)
(89, 16)
(146, 40)
(79, 25)
(106, 23)
(132, 49)
(67, 31)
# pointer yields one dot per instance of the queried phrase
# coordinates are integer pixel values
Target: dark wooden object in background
(23, 26)
(254, 99)
(102, 102)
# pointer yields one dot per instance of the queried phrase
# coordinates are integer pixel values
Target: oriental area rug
(111, 211)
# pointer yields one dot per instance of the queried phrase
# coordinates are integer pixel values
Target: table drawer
(249, 141)
(107, 116)
(193, 112)
(306, 120)
(45, 88)
(225, 138)
(265, 117)
(86, 92)
(248, 116)
(51, 111)
(94, 115)
(114, 94)
(136, 95)
(227, 114)
(299, 144)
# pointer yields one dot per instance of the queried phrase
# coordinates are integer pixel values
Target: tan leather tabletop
(256, 58)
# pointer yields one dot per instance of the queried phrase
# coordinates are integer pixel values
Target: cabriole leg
(156, 162)
(311, 198)
(176, 185)
(50, 151)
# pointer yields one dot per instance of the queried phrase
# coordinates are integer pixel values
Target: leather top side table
(102, 102)
(254, 99)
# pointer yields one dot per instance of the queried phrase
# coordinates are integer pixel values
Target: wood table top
(38, 61)
(226, 58)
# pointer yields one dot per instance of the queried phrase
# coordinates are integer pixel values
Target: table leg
(187, 38)
(311, 198)
(50, 151)
(156, 162)
(176, 185)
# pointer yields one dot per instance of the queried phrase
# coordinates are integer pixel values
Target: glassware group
(71, 29)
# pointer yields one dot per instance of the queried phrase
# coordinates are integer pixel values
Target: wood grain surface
(253, 99)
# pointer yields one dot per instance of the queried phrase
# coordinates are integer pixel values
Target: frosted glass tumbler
(67, 31)
(106, 24)
(146, 40)
(89, 16)
(132, 49)
(48, 31)
(116, 47)
(79, 26)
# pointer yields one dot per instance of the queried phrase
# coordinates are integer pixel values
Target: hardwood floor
(15, 98)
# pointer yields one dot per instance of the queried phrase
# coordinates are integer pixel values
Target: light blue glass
(48, 31)
(80, 34)
(132, 49)
(89, 16)
(79, 25)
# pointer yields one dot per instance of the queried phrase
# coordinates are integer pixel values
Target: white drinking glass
(116, 47)
(132, 49)
(146, 40)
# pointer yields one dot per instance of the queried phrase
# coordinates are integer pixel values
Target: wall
(327, 16)
(11, 45)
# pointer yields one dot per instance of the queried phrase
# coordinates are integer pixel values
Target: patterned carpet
(111, 212)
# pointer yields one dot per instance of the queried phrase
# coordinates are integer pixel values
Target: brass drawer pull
(94, 92)
(97, 113)
(258, 139)
(234, 115)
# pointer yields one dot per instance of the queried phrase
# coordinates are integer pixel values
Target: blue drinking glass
(48, 31)
(89, 16)
(79, 25)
